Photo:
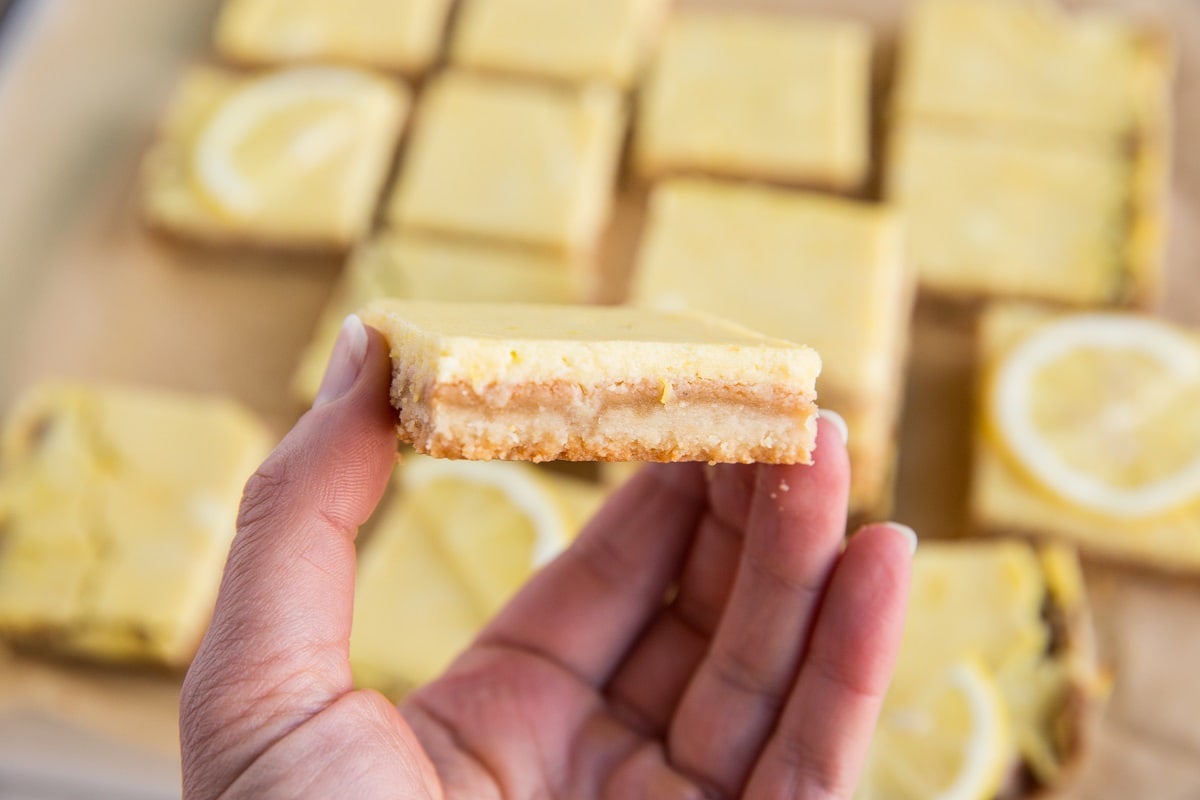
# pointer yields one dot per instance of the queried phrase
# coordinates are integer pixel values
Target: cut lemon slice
(948, 739)
(1104, 411)
(496, 522)
(266, 141)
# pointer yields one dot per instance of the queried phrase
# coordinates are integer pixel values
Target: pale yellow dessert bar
(446, 553)
(1098, 443)
(575, 41)
(803, 267)
(777, 97)
(1031, 63)
(591, 383)
(293, 159)
(420, 267)
(401, 35)
(117, 507)
(513, 161)
(1016, 617)
(1016, 215)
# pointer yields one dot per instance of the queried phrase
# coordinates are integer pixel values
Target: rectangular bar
(542, 382)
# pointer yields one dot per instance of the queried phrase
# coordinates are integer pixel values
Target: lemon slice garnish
(497, 522)
(1104, 411)
(947, 739)
(270, 135)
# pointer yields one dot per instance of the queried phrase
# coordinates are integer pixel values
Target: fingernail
(835, 419)
(346, 361)
(910, 536)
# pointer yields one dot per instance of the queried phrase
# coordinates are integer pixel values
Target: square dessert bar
(1014, 214)
(513, 161)
(1032, 63)
(417, 267)
(775, 97)
(575, 41)
(1017, 617)
(117, 507)
(293, 159)
(1030, 151)
(448, 548)
(1143, 429)
(401, 35)
(802, 267)
(580, 383)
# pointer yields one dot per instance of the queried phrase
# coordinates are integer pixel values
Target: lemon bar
(996, 678)
(575, 41)
(401, 35)
(117, 507)
(294, 159)
(1008, 215)
(1033, 64)
(511, 161)
(445, 553)
(776, 97)
(1088, 431)
(803, 267)
(420, 267)
(580, 383)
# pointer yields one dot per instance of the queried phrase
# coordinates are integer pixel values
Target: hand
(707, 635)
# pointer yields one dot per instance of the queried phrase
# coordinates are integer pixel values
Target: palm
(702, 674)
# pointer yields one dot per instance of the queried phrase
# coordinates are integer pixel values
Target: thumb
(276, 652)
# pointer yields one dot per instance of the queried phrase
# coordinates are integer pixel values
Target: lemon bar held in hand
(544, 382)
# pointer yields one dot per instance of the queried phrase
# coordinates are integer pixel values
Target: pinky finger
(820, 742)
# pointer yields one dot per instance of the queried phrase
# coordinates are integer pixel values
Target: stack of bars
(475, 152)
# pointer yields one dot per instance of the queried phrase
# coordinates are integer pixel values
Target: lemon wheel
(264, 139)
(946, 739)
(1103, 410)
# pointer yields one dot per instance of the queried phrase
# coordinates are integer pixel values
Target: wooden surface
(85, 292)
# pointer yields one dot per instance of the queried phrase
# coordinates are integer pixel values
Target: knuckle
(604, 560)
(776, 573)
(261, 496)
(853, 688)
(818, 774)
(739, 672)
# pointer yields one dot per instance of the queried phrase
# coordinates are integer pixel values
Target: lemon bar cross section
(545, 382)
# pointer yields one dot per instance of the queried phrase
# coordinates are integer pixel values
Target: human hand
(706, 636)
